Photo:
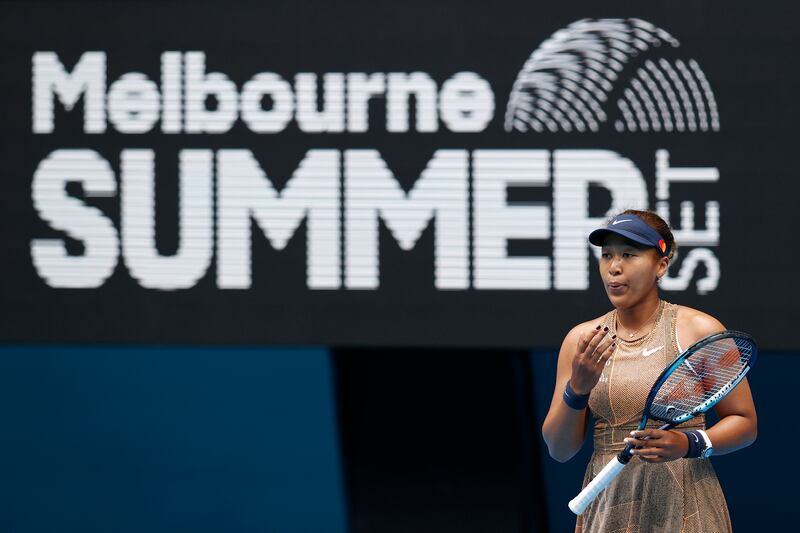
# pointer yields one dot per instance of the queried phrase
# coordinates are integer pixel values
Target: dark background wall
(745, 52)
(246, 439)
(131, 439)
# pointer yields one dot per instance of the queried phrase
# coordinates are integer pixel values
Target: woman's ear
(663, 265)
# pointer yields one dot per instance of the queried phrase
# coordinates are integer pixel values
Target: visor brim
(599, 235)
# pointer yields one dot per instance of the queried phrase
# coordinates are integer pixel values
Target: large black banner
(386, 174)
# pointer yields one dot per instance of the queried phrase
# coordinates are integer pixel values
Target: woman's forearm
(564, 430)
(732, 433)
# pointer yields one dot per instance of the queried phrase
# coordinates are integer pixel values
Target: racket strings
(701, 378)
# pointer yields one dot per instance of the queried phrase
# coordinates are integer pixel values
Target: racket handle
(579, 503)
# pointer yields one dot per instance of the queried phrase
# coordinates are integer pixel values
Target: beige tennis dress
(672, 497)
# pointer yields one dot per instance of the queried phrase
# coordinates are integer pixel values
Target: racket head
(701, 376)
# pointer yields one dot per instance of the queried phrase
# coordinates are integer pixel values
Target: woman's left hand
(658, 446)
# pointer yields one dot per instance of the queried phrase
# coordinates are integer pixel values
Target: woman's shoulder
(694, 324)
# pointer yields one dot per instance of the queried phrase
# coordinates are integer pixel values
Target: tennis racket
(692, 384)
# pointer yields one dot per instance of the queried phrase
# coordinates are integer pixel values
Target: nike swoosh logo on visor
(647, 352)
(620, 221)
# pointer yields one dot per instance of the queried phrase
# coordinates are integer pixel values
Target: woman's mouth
(616, 287)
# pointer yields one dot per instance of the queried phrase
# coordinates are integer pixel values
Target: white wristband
(705, 437)
(709, 448)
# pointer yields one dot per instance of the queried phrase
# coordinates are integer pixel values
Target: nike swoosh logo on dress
(647, 353)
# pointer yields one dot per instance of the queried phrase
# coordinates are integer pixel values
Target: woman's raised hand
(593, 350)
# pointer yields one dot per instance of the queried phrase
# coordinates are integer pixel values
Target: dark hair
(658, 224)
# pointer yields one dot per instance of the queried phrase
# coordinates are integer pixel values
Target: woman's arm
(738, 424)
(580, 361)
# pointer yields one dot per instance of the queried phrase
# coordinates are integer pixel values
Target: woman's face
(629, 272)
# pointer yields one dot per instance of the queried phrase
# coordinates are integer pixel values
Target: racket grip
(579, 503)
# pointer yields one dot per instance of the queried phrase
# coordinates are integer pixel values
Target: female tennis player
(609, 365)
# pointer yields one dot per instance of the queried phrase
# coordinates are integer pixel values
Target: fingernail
(613, 344)
(633, 433)
(613, 336)
(598, 326)
(605, 328)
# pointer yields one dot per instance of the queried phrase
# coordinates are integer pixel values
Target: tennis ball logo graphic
(622, 73)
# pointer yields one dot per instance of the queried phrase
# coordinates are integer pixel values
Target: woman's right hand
(593, 350)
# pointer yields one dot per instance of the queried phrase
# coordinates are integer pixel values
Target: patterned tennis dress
(676, 496)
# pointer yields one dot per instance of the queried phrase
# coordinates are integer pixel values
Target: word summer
(341, 196)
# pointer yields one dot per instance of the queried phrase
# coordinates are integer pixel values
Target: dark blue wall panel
(759, 494)
(244, 439)
(168, 439)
